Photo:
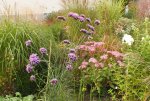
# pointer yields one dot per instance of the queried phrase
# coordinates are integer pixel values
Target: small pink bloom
(116, 54)
(120, 63)
(99, 65)
(98, 44)
(91, 49)
(83, 47)
(110, 65)
(104, 57)
(93, 60)
(83, 65)
(89, 43)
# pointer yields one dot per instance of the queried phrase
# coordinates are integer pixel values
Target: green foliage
(109, 12)
(17, 97)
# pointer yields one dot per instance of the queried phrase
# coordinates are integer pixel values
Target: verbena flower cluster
(35, 60)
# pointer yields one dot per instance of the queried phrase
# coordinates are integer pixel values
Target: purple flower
(43, 50)
(54, 81)
(34, 59)
(72, 51)
(70, 14)
(72, 56)
(97, 22)
(73, 15)
(81, 19)
(66, 41)
(88, 20)
(28, 43)
(29, 68)
(32, 78)
(84, 31)
(90, 27)
(69, 67)
(61, 18)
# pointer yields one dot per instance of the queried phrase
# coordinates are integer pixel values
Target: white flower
(116, 87)
(128, 39)
(126, 9)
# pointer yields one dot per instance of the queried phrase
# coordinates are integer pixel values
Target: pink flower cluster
(98, 56)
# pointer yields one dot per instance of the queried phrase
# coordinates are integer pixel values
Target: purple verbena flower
(69, 67)
(81, 19)
(43, 50)
(72, 51)
(97, 22)
(84, 31)
(29, 68)
(72, 56)
(54, 81)
(70, 14)
(88, 20)
(90, 27)
(28, 43)
(66, 42)
(34, 59)
(61, 18)
(32, 78)
(73, 15)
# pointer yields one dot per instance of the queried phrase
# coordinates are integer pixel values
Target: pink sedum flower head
(28, 43)
(29, 68)
(83, 47)
(98, 44)
(120, 63)
(43, 50)
(83, 65)
(91, 49)
(32, 78)
(99, 65)
(116, 54)
(93, 60)
(104, 57)
(89, 43)
(54, 81)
